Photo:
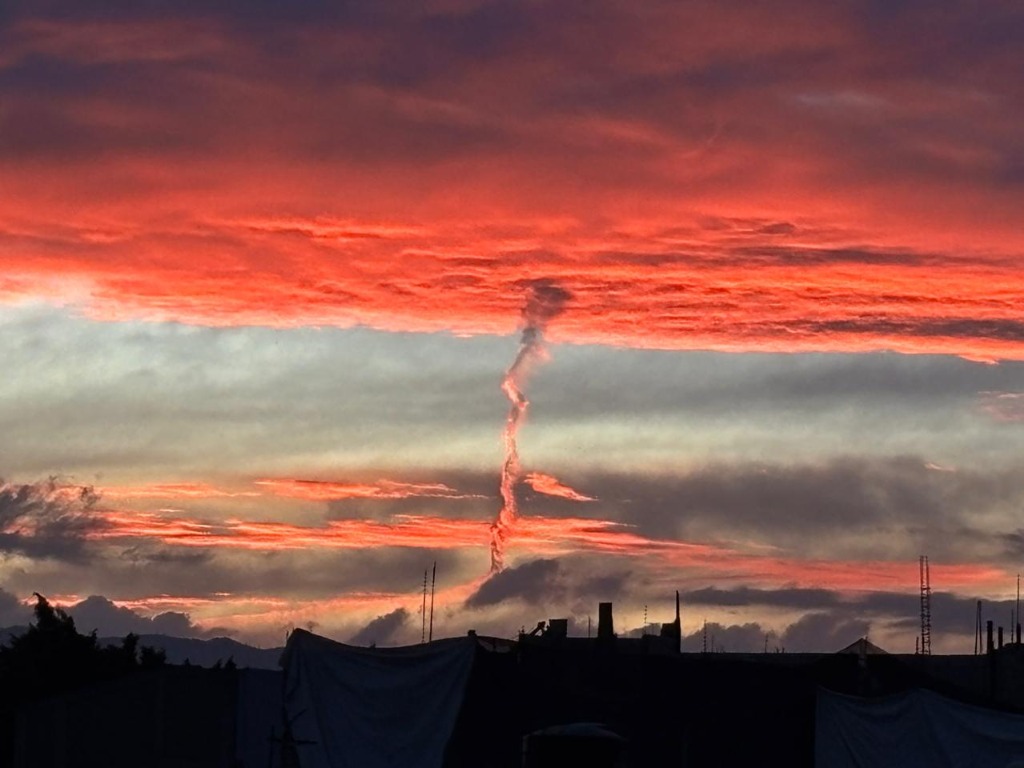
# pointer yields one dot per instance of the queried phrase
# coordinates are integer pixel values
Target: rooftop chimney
(605, 627)
(674, 629)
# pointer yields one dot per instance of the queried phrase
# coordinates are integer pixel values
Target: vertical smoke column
(544, 301)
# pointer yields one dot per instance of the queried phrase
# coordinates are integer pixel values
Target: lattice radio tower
(926, 608)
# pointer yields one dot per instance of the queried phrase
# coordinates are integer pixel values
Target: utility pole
(926, 608)
(977, 631)
(423, 610)
(433, 581)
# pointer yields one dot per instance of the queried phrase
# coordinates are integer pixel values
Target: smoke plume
(544, 301)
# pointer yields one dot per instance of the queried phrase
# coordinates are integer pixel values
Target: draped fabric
(918, 728)
(352, 707)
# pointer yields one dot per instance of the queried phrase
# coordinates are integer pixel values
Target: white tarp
(355, 707)
(919, 728)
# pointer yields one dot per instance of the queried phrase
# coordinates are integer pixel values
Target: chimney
(557, 629)
(605, 627)
(989, 645)
(1000, 637)
(674, 629)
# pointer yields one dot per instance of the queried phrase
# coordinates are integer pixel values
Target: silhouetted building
(167, 716)
(545, 699)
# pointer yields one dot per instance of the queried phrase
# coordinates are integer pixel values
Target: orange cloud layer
(696, 185)
(551, 486)
(542, 536)
(170, 491)
(320, 490)
(653, 288)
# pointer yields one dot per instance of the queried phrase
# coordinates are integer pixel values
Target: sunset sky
(265, 266)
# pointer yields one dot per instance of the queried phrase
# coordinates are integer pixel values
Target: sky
(265, 268)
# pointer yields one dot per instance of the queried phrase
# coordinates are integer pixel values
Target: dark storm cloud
(147, 555)
(747, 596)
(534, 582)
(407, 46)
(571, 584)
(823, 632)
(99, 614)
(173, 50)
(801, 599)
(836, 619)
(381, 630)
(147, 571)
(794, 504)
(605, 585)
(703, 385)
(46, 520)
(12, 612)
(955, 614)
(844, 506)
(1014, 543)
(732, 638)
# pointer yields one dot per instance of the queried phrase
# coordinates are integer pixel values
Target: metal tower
(926, 608)
(423, 610)
(978, 642)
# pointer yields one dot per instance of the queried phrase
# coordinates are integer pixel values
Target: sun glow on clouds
(753, 219)
(320, 490)
(764, 292)
(551, 486)
(784, 179)
(537, 536)
(172, 491)
(540, 535)
(290, 488)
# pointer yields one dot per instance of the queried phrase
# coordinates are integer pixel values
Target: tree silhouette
(52, 657)
(152, 657)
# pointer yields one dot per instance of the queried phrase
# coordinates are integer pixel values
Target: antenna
(926, 608)
(423, 610)
(977, 631)
(433, 580)
(678, 627)
(704, 637)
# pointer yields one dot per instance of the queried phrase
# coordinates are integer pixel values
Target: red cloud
(551, 486)
(170, 491)
(538, 536)
(321, 490)
(827, 203)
